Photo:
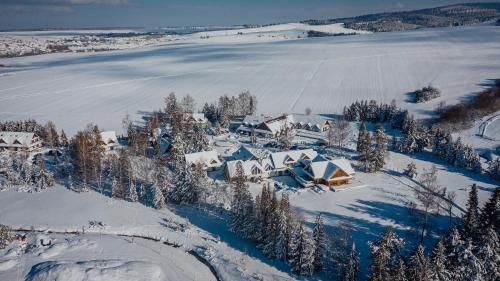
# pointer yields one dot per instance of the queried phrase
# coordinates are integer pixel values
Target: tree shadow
(383, 216)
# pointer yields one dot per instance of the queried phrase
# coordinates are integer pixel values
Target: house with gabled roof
(210, 160)
(110, 140)
(197, 118)
(19, 141)
(284, 160)
(331, 173)
(246, 152)
(253, 169)
(314, 123)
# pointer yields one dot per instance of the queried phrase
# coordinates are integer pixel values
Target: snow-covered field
(99, 257)
(286, 75)
(60, 210)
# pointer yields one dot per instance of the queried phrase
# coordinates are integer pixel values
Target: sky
(34, 14)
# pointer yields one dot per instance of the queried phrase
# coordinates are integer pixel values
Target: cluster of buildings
(306, 166)
(272, 127)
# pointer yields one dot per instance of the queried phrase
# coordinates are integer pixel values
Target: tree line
(417, 137)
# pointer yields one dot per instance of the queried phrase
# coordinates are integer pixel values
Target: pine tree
(115, 189)
(352, 269)
(488, 252)
(438, 271)
(398, 273)
(362, 143)
(64, 139)
(366, 153)
(43, 177)
(490, 213)
(132, 193)
(411, 170)
(453, 244)
(283, 228)
(419, 269)
(301, 252)
(384, 253)
(271, 228)
(494, 169)
(471, 216)
(242, 213)
(319, 243)
(380, 149)
(158, 199)
(5, 236)
(26, 174)
(177, 150)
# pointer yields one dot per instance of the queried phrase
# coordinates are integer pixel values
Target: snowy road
(286, 75)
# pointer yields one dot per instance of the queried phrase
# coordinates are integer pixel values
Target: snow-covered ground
(286, 75)
(98, 257)
(60, 210)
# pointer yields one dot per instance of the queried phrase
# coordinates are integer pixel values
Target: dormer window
(17, 142)
(255, 170)
(2, 141)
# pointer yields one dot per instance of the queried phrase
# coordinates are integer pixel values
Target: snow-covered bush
(5, 236)
(426, 94)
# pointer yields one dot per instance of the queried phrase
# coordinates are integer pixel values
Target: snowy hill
(324, 74)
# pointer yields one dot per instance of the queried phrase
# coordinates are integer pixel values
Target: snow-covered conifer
(398, 273)
(301, 255)
(352, 268)
(318, 239)
(380, 149)
(242, 212)
(132, 192)
(418, 267)
(411, 170)
(158, 199)
(471, 216)
(438, 270)
(490, 213)
(362, 143)
(5, 236)
(384, 254)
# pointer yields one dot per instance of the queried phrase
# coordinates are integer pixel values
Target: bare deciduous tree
(428, 194)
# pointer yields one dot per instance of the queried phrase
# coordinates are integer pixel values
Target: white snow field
(286, 75)
(100, 258)
(102, 248)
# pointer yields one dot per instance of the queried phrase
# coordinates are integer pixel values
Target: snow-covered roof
(109, 138)
(248, 166)
(326, 169)
(280, 159)
(249, 153)
(197, 117)
(254, 120)
(312, 120)
(277, 124)
(209, 159)
(18, 139)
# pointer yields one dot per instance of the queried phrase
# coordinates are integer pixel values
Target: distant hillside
(452, 15)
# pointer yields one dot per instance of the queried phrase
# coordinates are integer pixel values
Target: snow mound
(98, 270)
(7, 264)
